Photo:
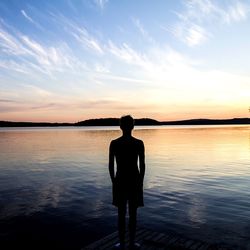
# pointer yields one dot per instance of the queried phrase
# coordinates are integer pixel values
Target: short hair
(126, 122)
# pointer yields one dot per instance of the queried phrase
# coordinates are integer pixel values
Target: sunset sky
(169, 60)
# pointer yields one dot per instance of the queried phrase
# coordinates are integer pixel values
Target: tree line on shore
(138, 122)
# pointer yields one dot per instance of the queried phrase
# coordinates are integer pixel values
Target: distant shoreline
(138, 122)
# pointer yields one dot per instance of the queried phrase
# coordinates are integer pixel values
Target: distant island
(138, 122)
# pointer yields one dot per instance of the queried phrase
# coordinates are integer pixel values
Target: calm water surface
(55, 191)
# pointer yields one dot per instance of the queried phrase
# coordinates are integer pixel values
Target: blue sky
(78, 59)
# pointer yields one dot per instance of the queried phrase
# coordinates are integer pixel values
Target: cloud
(236, 13)
(25, 55)
(12, 65)
(45, 106)
(127, 54)
(111, 106)
(154, 64)
(195, 35)
(7, 101)
(37, 91)
(206, 10)
(142, 30)
(117, 78)
(169, 77)
(25, 97)
(88, 41)
(100, 68)
(24, 46)
(9, 44)
(101, 3)
(31, 20)
(27, 17)
(50, 59)
(199, 15)
(80, 33)
(45, 56)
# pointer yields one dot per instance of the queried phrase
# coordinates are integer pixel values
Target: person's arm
(142, 161)
(111, 162)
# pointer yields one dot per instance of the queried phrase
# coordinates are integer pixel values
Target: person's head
(126, 123)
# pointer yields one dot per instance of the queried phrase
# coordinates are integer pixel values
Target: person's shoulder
(115, 141)
(138, 141)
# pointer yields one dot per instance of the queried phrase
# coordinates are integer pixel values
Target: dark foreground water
(55, 191)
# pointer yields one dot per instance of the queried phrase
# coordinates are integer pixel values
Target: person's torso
(126, 152)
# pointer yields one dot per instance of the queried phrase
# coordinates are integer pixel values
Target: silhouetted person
(128, 180)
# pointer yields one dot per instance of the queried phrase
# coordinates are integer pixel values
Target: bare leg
(121, 224)
(132, 224)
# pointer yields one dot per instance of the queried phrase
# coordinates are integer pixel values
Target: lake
(55, 191)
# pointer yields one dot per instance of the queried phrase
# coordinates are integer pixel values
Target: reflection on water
(55, 188)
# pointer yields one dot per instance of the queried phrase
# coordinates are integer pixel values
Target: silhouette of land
(209, 121)
(138, 122)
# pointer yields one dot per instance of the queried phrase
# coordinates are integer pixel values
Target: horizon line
(189, 119)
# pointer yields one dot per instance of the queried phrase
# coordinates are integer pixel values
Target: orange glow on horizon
(72, 118)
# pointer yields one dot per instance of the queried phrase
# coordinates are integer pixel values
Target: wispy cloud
(196, 35)
(25, 97)
(45, 106)
(31, 20)
(12, 65)
(27, 55)
(142, 30)
(197, 16)
(38, 91)
(236, 13)
(79, 32)
(88, 41)
(27, 17)
(124, 79)
(128, 54)
(206, 10)
(101, 68)
(50, 58)
(7, 101)
(192, 35)
(101, 3)
(9, 44)
(46, 57)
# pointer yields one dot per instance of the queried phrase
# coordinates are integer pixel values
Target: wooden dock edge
(150, 240)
